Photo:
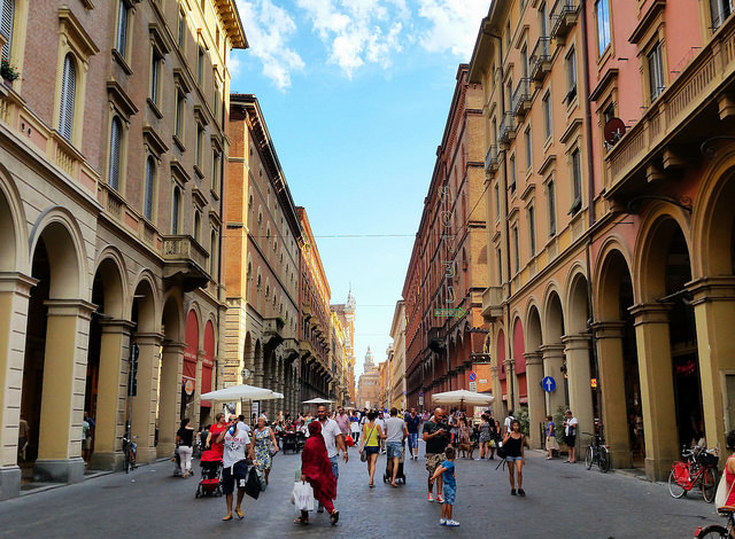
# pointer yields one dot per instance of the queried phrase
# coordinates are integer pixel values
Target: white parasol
(462, 397)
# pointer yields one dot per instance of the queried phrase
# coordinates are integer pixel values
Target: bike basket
(681, 474)
(708, 459)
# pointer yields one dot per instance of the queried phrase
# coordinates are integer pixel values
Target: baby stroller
(210, 483)
(400, 476)
(176, 459)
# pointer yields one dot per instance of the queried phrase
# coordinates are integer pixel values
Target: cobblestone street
(563, 501)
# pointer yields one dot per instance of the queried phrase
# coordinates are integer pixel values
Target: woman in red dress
(317, 470)
(214, 450)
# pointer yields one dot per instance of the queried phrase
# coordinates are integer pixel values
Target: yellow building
(397, 358)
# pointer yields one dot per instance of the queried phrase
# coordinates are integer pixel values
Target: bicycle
(597, 453)
(715, 530)
(698, 470)
(130, 451)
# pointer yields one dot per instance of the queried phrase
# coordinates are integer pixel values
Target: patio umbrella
(242, 392)
(317, 400)
(462, 397)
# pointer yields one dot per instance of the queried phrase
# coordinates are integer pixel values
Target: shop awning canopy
(242, 392)
(462, 397)
(317, 401)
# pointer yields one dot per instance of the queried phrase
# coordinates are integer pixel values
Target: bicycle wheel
(713, 531)
(603, 459)
(675, 489)
(588, 457)
(708, 485)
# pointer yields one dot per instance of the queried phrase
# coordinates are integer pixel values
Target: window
(499, 256)
(113, 174)
(513, 174)
(175, 211)
(182, 28)
(532, 229)
(576, 181)
(719, 10)
(213, 254)
(571, 75)
(197, 225)
(121, 41)
(529, 148)
(524, 61)
(216, 170)
(548, 116)
(200, 143)
(68, 97)
(150, 178)
(217, 98)
(7, 12)
(656, 71)
(200, 66)
(497, 201)
(507, 34)
(551, 198)
(180, 102)
(603, 26)
(155, 76)
(517, 250)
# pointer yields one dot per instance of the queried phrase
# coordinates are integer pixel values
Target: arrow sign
(450, 313)
(549, 384)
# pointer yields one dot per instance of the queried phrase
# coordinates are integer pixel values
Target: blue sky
(356, 94)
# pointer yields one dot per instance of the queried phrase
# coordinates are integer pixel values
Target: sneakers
(512, 492)
(521, 492)
(451, 523)
(442, 522)
(429, 497)
(439, 498)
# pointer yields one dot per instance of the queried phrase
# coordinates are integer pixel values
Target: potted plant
(8, 72)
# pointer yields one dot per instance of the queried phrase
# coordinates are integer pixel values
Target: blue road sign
(473, 377)
(549, 384)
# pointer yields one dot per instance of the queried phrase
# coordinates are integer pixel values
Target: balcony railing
(540, 59)
(186, 261)
(507, 128)
(710, 74)
(492, 159)
(492, 302)
(521, 101)
(562, 17)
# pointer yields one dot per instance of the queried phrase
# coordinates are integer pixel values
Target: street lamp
(245, 373)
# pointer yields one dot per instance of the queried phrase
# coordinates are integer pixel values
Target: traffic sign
(549, 384)
(473, 377)
(473, 386)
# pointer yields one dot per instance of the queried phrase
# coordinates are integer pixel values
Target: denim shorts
(395, 450)
(413, 440)
(513, 459)
(335, 466)
(450, 493)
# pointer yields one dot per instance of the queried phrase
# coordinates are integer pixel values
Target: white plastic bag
(723, 491)
(302, 496)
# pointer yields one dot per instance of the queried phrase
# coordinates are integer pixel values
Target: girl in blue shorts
(514, 444)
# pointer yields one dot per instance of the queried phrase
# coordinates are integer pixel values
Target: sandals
(227, 518)
(240, 514)
(301, 521)
(334, 518)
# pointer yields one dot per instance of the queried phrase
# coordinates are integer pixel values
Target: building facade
(111, 168)
(368, 387)
(619, 285)
(345, 313)
(262, 273)
(397, 358)
(447, 274)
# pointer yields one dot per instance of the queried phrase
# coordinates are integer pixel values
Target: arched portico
(534, 375)
(171, 382)
(552, 351)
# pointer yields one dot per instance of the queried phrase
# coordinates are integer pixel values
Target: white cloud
(269, 29)
(454, 25)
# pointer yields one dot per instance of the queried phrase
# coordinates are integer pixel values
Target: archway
(537, 404)
(171, 379)
(519, 364)
(553, 354)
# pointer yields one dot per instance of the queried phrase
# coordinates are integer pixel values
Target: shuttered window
(155, 69)
(7, 8)
(175, 206)
(150, 176)
(68, 97)
(115, 143)
(122, 28)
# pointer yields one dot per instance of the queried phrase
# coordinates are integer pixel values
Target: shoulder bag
(363, 453)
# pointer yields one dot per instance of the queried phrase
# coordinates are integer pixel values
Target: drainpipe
(591, 218)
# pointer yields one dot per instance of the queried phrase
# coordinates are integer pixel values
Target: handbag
(723, 491)
(302, 496)
(363, 453)
(349, 441)
(252, 486)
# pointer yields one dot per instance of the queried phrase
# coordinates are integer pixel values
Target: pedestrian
(24, 431)
(514, 444)
(334, 440)
(381, 423)
(463, 431)
(412, 425)
(86, 439)
(485, 437)
(371, 435)
(396, 433)
(316, 469)
(508, 422)
(570, 436)
(730, 473)
(343, 421)
(213, 444)
(236, 445)
(551, 443)
(184, 442)
(445, 471)
(266, 446)
(436, 436)
(355, 427)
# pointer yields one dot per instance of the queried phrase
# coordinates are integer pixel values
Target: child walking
(446, 470)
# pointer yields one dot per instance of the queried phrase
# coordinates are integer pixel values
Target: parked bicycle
(714, 531)
(699, 469)
(130, 451)
(597, 453)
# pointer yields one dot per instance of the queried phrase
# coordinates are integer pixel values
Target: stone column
(657, 388)
(534, 375)
(577, 352)
(143, 420)
(195, 409)
(714, 311)
(497, 406)
(258, 371)
(169, 401)
(609, 336)
(511, 382)
(553, 359)
(111, 393)
(15, 290)
(64, 372)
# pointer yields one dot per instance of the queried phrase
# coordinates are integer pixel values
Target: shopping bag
(349, 441)
(723, 491)
(252, 486)
(260, 474)
(302, 496)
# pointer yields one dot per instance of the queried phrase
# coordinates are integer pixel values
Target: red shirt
(215, 430)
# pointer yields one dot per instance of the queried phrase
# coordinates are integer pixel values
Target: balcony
(540, 59)
(521, 102)
(492, 303)
(186, 262)
(562, 18)
(492, 160)
(689, 112)
(507, 129)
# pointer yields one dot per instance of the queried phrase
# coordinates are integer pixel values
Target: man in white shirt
(508, 422)
(235, 468)
(396, 432)
(570, 436)
(381, 421)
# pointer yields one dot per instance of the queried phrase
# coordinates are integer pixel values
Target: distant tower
(368, 365)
